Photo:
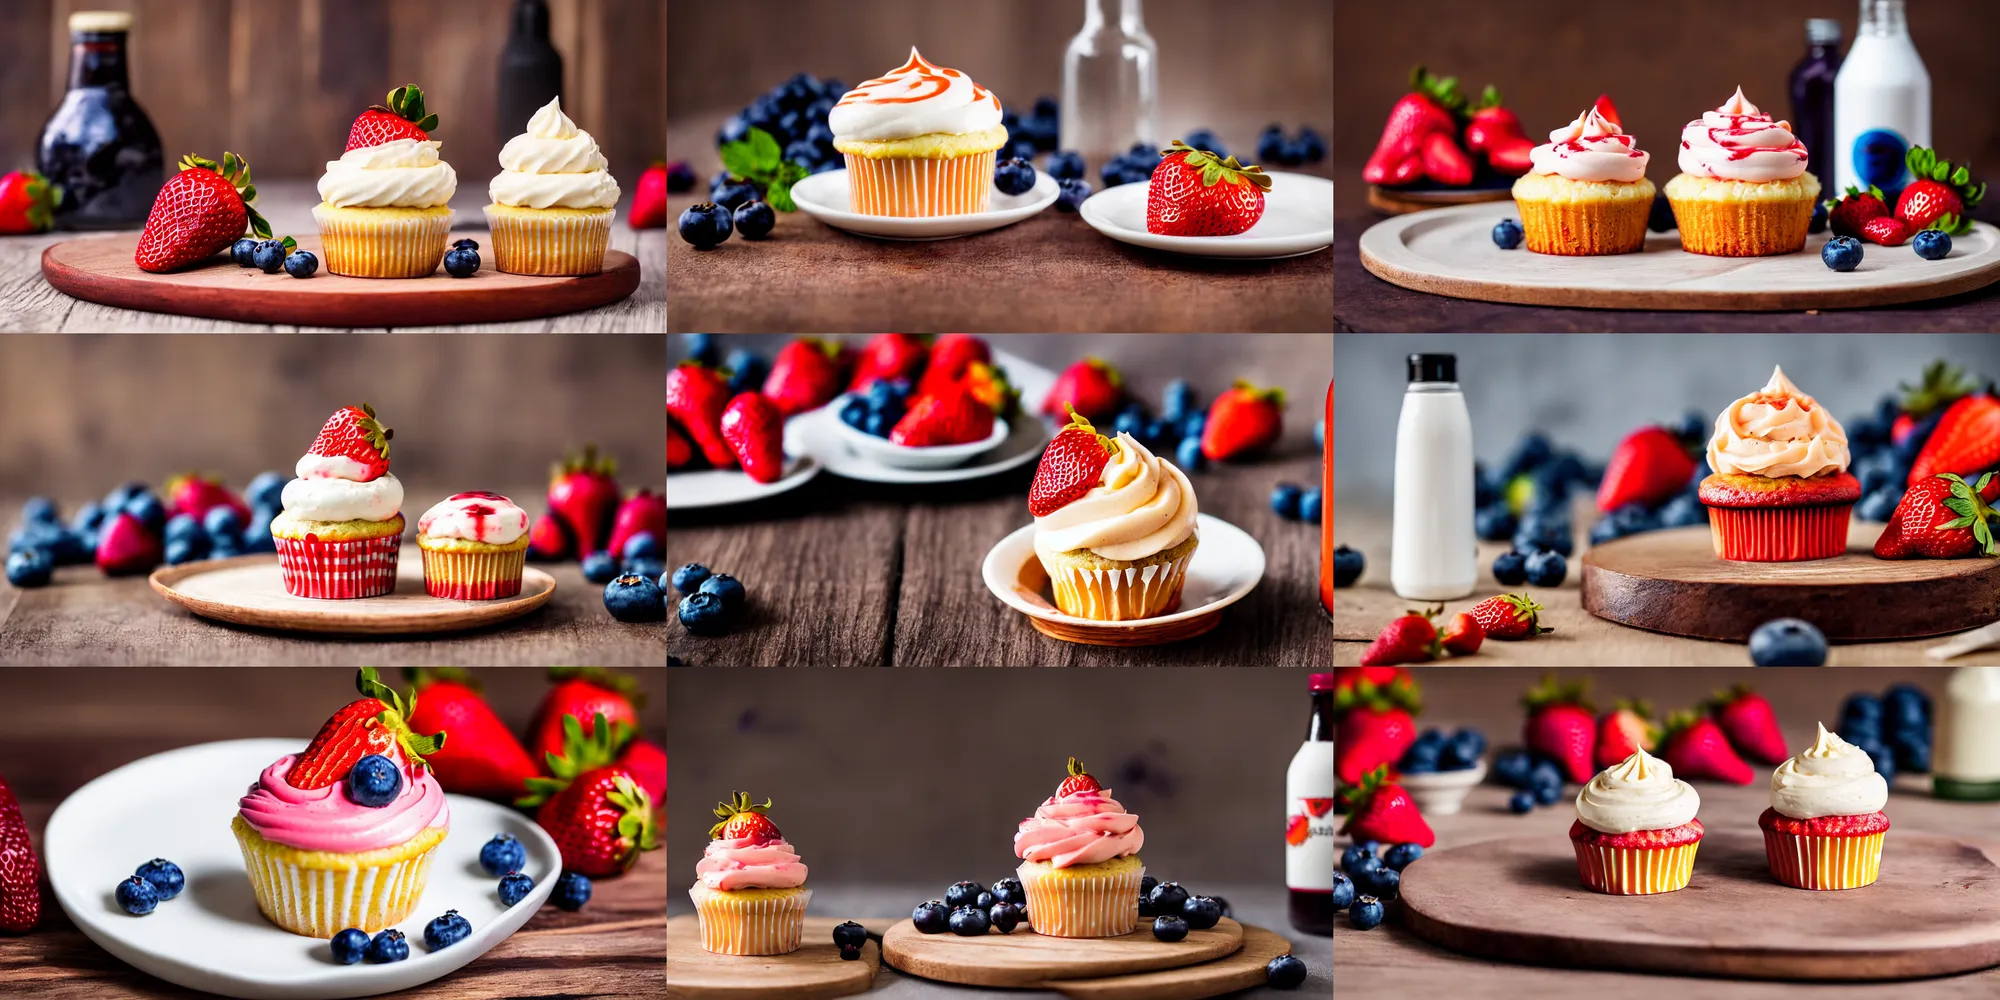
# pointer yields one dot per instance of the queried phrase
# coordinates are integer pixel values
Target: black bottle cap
(1433, 367)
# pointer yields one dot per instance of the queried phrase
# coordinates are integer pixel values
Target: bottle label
(1309, 844)
(1879, 159)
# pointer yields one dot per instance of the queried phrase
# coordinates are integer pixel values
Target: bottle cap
(100, 20)
(1321, 682)
(1433, 367)
(1822, 31)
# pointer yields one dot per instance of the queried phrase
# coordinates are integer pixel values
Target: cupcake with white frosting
(1114, 525)
(1635, 832)
(1743, 189)
(475, 547)
(1825, 826)
(342, 525)
(382, 210)
(553, 200)
(919, 141)
(1587, 193)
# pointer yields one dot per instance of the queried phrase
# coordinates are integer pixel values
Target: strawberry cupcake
(1743, 189)
(1587, 193)
(1825, 826)
(1781, 491)
(1080, 862)
(749, 892)
(383, 205)
(1114, 525)
(1635, 832)
(475, 546)
(342, 524)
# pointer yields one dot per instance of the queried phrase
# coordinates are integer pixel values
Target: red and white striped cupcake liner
(914, 187)
(314, 567)
(473, 576)
(1779, 534)
(1635, 871)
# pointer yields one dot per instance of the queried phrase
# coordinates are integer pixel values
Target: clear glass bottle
(1111, 84)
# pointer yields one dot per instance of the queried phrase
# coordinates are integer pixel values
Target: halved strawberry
(1886, 230)
(1079, 780)
(404, 118)
(373, 724)
(357, 435)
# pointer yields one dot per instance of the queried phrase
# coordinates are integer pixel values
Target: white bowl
(1443, 793)
(898, 456)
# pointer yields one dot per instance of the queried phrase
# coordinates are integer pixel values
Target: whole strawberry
(20, 869)
(649, 199)
(599, 815)
(1695, 746)
(1373, 726)
(27, 203)
(954, 416)
(1939, 195)
(644, 510)
(1967, 439)
(1090, 387)
(404, 118)
(1196, 193)
(1243, 421)
(583, 488)
(807, 373)
(696, 396)
(647, 763)
(679, 451)
(355, 443)
(482, 758)
(193, 494)
(1847, 214)
(125, 546)
(1561, 726)
(1071, 466)
(1412, 638)
(1463, 635)
(198, 213)
(1510, 616)
(889, 356)
(1624, 730)
(1749, 723)
(1649, 466)
(755, 431)
(951, 355)
(550, 540)
(582, 693)
(1944, 517)
(1379, 809)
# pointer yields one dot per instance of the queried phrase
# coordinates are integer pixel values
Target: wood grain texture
(250, 590)
(1391, 201)
(1025, 958)
(814, 972)
(1243, 970)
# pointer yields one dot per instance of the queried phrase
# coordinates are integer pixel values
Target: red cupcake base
(1779, 534)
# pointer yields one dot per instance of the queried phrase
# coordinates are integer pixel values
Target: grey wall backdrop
(1587, 391)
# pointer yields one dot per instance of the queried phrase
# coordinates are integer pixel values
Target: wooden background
(280, 83)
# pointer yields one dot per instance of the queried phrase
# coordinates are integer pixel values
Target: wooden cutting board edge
(811, 975)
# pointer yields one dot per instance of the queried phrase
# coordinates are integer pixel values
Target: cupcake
(749, 892)
(474, 547)
(1743, 189)
(1635, 832)
(1587, 193)
(342, 524)
(1080, 862)
(1781, 490)
(1114, 525)
(553, 199)
(382, 207)
(341, 834)
(919, 141)
(1825, 826)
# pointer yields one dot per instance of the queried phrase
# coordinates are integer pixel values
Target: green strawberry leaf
(290, 245)
(779, 191)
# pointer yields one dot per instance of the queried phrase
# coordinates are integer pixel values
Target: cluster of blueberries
(1177, 430)
(1536, 778)
(1894, 730)
(272, 256)
(794, 113)
(1881, 463)
(875, 411)
(737, 206)
(714, 601)
(1536, 480)
(1369, 877)
(1435, 750)
(151, 884)
(219, 534)
(1297, 503)
(635, 579)
(747, 368)
(43, 542)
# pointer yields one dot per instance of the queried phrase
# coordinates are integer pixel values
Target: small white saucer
(824, 197)
(722, 487)
(1298, 220)
(896, 456)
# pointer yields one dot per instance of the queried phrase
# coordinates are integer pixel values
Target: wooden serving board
(100, 269)
(1672, 581)
(814, 972)
(1025, 958)
(1240, 971)
(1450, 251)
(1934, 911)
(250, 590)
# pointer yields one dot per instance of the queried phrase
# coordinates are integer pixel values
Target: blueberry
(1065, 165)
(747, 370)
(599, 567)
(388, 946)
(1399, 856)
(969, 921)
(1130, 420)
(257, 535)
(1661, 218)
(269, 256)
(1548, 785)
(1510, 568)
(1286, 972)
(733, 195)
(984, 901)
(349, 945)
(572, 891)
(374, 781)
(1004, 917)
(1932, 244)
(703, 614)
(1074, 191)
(1547, 569)
(445, 931)
(962, 894)
(854, 413)
(1343, 890)
(1522, 801)
(222, 522)
(147, 510)
(165, 875)
(1512, 768)
(514, 886)
(461, 263)
(266, 489)
(879, 423)
(1168, 897)
(302, 263)
(1507, 234)
(1008, 890)
(1170, 927)
(707, 225)
(184, 526)
(634, 597)
(932, 917)
(1271, 145)
(1202, 138)
(1193, 424)
(728, 588)
(1201, 913)
(242, 250)
(1819, 218)
(1787, 642)
(1146, 884)
(1188, 455)
(803, 151)
(137, 896)
(1161, 432)
(471, 244)
(502, 854)
(1356, 855)
(88, 517)
(850, 934)
(30, 567)
(1311, 504)
(1683, 511)
(1842, 253)
(1014, 176)
(754, 219)
(688, 578)
(1494, 522)
(1420, 758)
(1285, 500)
(185, 550)
(1912, 751)
(736, 129)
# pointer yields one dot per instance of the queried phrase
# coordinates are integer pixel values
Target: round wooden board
(1450, 251)
(814, 972)
(1395, 201)
(100, 269)
(250, 590)
(1025, 958)
(1934, 911)
(1240, 971)
(1672, 581)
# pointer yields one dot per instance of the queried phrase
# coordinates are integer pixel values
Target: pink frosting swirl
(1082, 828)
(1591, 148)
(324, 819)
(1737, 142)
(732, 863)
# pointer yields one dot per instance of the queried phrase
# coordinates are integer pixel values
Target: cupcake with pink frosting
(1743, 189)
(475, 547)
(750, 890)
(1587, 193)
(1080, 862)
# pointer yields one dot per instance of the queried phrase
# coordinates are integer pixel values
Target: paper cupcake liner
(473, 576)
(1089, 906)
(1118, 595)
(733, 925)
(1742, 229)
(322, 902)
(1635, 871)
(1779, 534)
(548, 243)
(907, 186)
(404, 247)
(1808, 862)
(314, 567)
(1587, 229)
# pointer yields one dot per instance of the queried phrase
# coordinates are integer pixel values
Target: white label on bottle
(1309, 844)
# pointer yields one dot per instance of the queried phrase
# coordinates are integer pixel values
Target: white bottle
(1309, 818)
(1881, 103)
(1965, 764)
(1433, 555)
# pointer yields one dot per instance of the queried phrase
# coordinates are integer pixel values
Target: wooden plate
(1450, 251)
(1241, 971)
(813, 972)
(250, 590)
(1025, 958)
(1934, 911)
(100, 269)
(1672, 581)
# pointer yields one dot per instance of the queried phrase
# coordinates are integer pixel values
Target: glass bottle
(531, 70)
(1881, 102)
(1812, 96)
(1111, 84)
(98, 145)
(1309, 818)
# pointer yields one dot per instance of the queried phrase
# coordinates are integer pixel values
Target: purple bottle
(1812, 98)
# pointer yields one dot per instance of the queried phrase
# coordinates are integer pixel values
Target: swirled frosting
(914, 99)
(1081, 828)
(475, 517)
(1591, 148)
(1777, 431)
(1640, 793)
(344, 499)
(325, 819)
(553, 164)
(1737, 142)
(733, 863)
(1833, 778)
(400, 173)
(1141, 505)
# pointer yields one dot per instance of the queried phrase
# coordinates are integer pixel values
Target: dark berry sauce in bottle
(99, 145)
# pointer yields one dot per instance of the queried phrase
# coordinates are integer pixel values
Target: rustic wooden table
(613, 947)
(849, 573)
(35, 307)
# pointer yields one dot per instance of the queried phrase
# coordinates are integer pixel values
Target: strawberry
(1298, 830)
(600, 816)
(1695, 747)
(1243, 421)
(1848, 213)
(1967, 439)
(125, 546)
(1372, 728)
(755, 431)
(404, 118)
(642, 511)
(952, 417)
(1607, 110)
(1623, 731)
(1510, 156)
(1943, 517)
(355, 435)
(1648, 467)
(989, 385)
(198, 213)
(1886, 230)
(1379, 809)
(679, 451)
(1510, 616)
(1561, 726)
(193, 495)
(27, 203)
(1430, 107)
(647, 763)
(1463, 636)
(1942, 384)
(550, 540)
(890, 356)
(744, 820)
(1197, 193)
(649, 199)
(375, 723)
(1363, 680)
(584, 490)
(1445, 162)
(482, 758)
(1490, 124)
(20, 869)
(1071, 466)
(1749, 723)
(585, 693)
(1409, 639)
(1090, 387)
(1079, 780)
(807, 374)
(951, 355)
(696, 396)
(1939, 195)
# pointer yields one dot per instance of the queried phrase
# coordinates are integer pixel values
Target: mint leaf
(738, 159)
(779, 194)
(768, 154)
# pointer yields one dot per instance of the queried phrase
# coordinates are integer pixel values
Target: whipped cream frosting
(1640, 793)
(1591, 148)
(914, 99)
(475, 517)
(553, 164)
(344, 499)
(313, 466)
(1081, 828)
(733, 863)
(1833, 778)
(1737, 142)
(1777, 431)
(400, 173)
(1141, 505)
(325, 819)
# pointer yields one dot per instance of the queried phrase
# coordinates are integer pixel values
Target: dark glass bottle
(1812, 98)
(531, 70)
(99, 145)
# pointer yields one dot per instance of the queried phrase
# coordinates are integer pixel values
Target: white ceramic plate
(177, 805)
(897, 456)
(824, 197)
(1226, 565)
(720, 487)
(1298, 220)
